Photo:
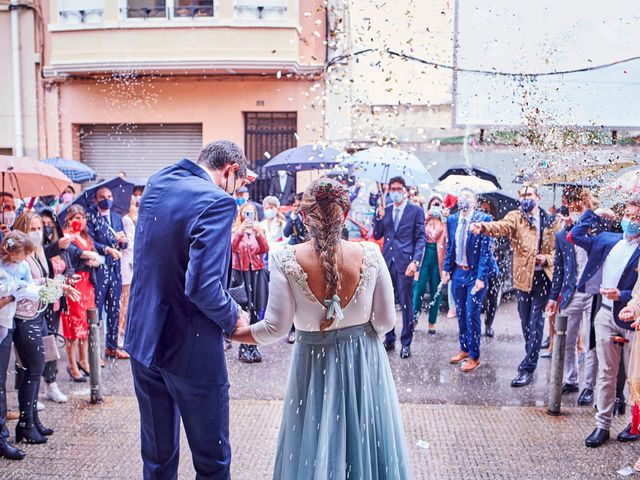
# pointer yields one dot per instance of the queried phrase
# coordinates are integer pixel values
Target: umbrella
(383, 163)
(629, 180)
(23, 177)
(122, 191)
(584, 175)
(306, 157)
(341, 174)
(471, 170)
(76, 171)
(454, 183)
(501, 202)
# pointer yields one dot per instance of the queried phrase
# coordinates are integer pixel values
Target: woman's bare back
(350, 257)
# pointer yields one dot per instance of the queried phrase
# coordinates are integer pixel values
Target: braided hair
(324, 205)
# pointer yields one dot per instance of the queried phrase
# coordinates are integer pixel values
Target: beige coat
(524, 242)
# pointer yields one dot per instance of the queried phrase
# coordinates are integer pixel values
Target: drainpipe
(17, 78)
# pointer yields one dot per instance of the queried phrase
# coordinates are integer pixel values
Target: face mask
(136, 200)
(36, 238)
(464, 204)
(270, 214)
(240, 201)
(105, 204)
(436, 211)
(9, 218)
(48, 231)
(396, 197)
(77, 226)
(630, 228)
(66, 197)
(527, 205)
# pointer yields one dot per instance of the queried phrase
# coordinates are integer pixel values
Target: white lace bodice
(291, 301)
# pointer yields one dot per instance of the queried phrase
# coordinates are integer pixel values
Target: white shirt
(463, 236)
(581, 261)
(283, 183)
(400, 209)
(615, 263)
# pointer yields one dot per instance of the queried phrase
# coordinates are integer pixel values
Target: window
(193, 8)
(73, 12)
(261, 9)
(146, 9)
(168, 9)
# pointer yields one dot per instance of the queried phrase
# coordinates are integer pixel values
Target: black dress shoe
(10, 452)
(255, 354)
(569, 388)
(597, 438)
(627, 436)
(522, 379)
(488, 331)
(586, 397)
(545, 344)
(244, 354)
(405, 352)
(620, 407)
(388, 346)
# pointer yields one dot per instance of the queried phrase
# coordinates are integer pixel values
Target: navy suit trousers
(108, 290)
(531, 309)
(163, 399)
(403, 288)
(468, 306)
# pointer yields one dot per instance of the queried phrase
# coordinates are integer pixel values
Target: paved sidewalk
(101, 442)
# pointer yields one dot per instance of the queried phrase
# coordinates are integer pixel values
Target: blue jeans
(531, 307)
(468, 306)
(403, 287)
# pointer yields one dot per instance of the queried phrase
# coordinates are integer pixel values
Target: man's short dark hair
(399, 180)
(216, 155)
(7, 194)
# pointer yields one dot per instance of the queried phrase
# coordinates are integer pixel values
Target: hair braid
(324, 218)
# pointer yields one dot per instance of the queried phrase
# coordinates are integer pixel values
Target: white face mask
(270, 213)
(9, 219)
(36, 238)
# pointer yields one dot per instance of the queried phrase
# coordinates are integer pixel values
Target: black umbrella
(466, 170)
(501, 202)
(121, 189)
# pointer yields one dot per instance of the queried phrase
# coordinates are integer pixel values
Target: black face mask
(48, 232)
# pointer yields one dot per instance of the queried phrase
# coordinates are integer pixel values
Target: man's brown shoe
(13, 415)
(459, 357)
(470, 365)
(116, 353)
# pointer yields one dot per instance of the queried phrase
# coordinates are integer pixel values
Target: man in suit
(611, 270)
(569, 263)
(532, 233)
(468, 263)
(283, 187)
(107, 231)
(179, 311)
(402, 227)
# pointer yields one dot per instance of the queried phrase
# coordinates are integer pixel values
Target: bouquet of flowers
(51, 291)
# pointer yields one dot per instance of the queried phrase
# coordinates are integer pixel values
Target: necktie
(396, 218)
(461, 241)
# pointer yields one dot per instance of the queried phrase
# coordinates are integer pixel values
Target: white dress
(341, 417)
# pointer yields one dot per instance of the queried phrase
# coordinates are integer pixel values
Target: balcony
(185, 37)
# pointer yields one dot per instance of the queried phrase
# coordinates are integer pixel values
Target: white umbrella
(628, 180)
(383, 163)
(454, 183)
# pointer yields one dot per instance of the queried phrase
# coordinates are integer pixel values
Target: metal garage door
(138, 150)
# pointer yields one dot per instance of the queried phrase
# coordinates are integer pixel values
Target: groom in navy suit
(179, 311)
(468, 263)
(403, 228)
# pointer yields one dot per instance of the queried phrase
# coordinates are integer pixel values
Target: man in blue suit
(179, 311)
(568, 266)
(403, 229)
(107, 231)
(468, 262)
(612, 271)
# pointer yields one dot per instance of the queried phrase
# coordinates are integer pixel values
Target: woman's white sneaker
(54, 394)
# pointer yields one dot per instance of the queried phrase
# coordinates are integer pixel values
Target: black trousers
(27, 337)
(5, 353)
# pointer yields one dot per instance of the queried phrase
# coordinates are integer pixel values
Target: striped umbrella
(76, 171)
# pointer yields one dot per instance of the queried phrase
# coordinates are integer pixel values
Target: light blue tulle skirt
(341, 417)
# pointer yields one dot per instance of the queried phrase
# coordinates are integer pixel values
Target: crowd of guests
(51, 273)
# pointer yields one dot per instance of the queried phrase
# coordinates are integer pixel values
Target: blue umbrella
(78, 172)
(122, 191)
(306, 157)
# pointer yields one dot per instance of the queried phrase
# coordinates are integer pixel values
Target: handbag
(51, 351)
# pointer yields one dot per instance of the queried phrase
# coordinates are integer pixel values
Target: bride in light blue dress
(341, 417)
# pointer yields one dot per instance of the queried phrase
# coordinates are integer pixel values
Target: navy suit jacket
(103, 236)
(479, 247)
(405, 245)
(565, 270)
(598, 246)
(179, 307)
